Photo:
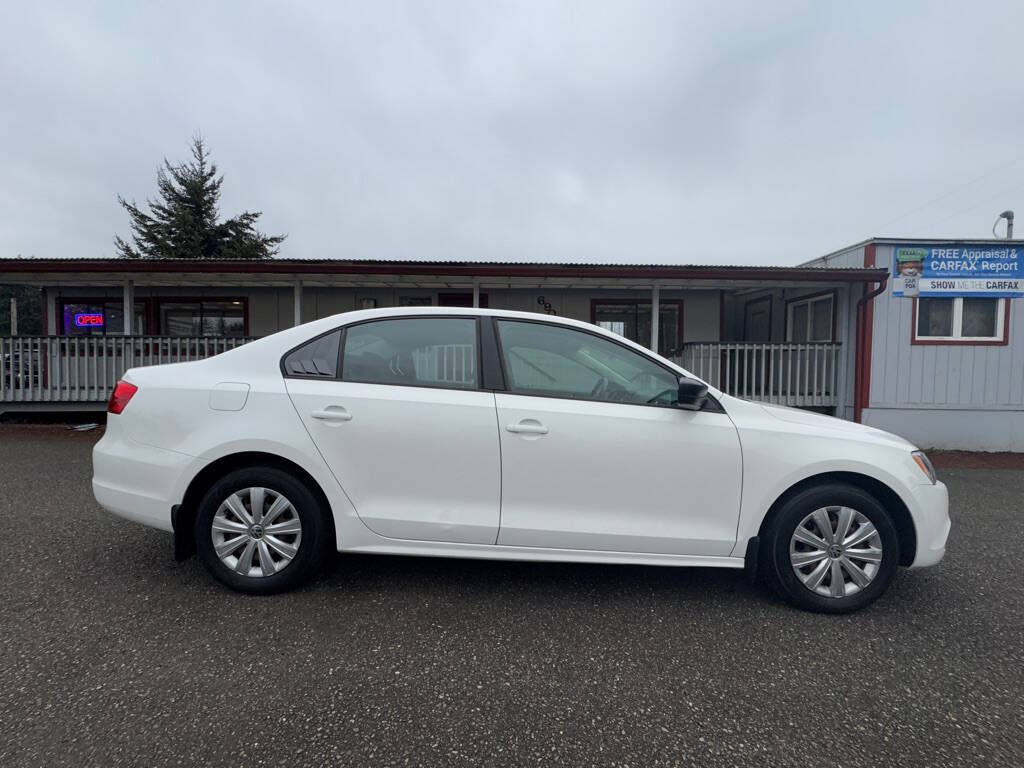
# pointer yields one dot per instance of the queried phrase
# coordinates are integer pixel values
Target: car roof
(360, 315)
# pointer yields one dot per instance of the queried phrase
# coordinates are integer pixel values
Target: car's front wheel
(831, 548)
(261, 530)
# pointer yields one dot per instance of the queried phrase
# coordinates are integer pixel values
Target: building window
(460, 300)
(632, 319)
(960, 320)
(97, 317)
(202, 318)
(810, 319)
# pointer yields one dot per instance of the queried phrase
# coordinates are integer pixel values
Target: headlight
(926, 466)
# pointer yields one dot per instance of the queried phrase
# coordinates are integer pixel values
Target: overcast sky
(592, 131)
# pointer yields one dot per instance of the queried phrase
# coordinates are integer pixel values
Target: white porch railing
(84, 369)
(448, 363)
(71, 369)
(782, 373)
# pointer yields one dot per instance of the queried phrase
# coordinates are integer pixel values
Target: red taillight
(120, 396)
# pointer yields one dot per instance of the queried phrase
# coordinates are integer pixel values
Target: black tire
(779, 569)
(313, 545)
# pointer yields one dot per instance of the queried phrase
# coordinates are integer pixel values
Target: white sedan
(504, 435)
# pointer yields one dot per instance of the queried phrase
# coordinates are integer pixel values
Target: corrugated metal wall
(904, 375)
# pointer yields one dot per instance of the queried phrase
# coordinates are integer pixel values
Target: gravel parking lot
(113, 654)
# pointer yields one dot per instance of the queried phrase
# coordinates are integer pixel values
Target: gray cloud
(643, 132)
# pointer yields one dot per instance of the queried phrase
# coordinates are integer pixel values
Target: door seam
(501, 468)
(323, 458)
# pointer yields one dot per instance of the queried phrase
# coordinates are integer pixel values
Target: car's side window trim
(711, 404)
(492, 364)
(493, 376)
(476, 331)
(496, 338)
(341, 351)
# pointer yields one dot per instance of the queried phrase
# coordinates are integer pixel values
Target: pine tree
(182, 222)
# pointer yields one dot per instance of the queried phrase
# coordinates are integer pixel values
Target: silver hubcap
(256, 532)
(835, 551)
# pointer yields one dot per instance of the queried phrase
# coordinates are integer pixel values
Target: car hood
(833, 426)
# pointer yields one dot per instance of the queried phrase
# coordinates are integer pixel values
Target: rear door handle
(332, 413)
(528, 427)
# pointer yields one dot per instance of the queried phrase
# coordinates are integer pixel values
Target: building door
(757, 320)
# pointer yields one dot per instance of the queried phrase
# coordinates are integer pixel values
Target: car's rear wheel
(261, 530)
(832, 548)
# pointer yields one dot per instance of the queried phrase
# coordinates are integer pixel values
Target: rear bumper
(135, 481)
(930, 510)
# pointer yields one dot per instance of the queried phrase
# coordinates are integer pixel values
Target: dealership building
(916, 337)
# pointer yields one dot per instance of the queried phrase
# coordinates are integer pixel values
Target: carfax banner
(992, 271)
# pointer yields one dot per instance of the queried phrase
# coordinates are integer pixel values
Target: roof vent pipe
(1008, 215)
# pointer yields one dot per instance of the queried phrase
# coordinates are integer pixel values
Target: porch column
(51, 313)
(476, 294)
(298, 302)
(655, 315)
(128, 306)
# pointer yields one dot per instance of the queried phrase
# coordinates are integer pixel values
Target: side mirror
(692, 394)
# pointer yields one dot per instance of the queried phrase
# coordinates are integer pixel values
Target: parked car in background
(21, 363)
(504, 435)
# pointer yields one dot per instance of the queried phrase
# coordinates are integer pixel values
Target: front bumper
(929, 508)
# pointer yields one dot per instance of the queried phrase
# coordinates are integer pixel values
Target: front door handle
(332, 413)
(528, 427)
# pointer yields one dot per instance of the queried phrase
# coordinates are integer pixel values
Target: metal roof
(916, 241)
(23, 265)
(437, 262)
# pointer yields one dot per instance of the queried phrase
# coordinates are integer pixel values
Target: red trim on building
(865, 331)
(962, 342)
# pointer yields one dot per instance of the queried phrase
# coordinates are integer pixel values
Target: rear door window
(416, 351)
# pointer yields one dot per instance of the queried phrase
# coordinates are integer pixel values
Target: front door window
(554, 361)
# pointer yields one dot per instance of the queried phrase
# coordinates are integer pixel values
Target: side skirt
(496, 552)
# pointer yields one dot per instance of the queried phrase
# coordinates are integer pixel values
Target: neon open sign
(88, 319)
